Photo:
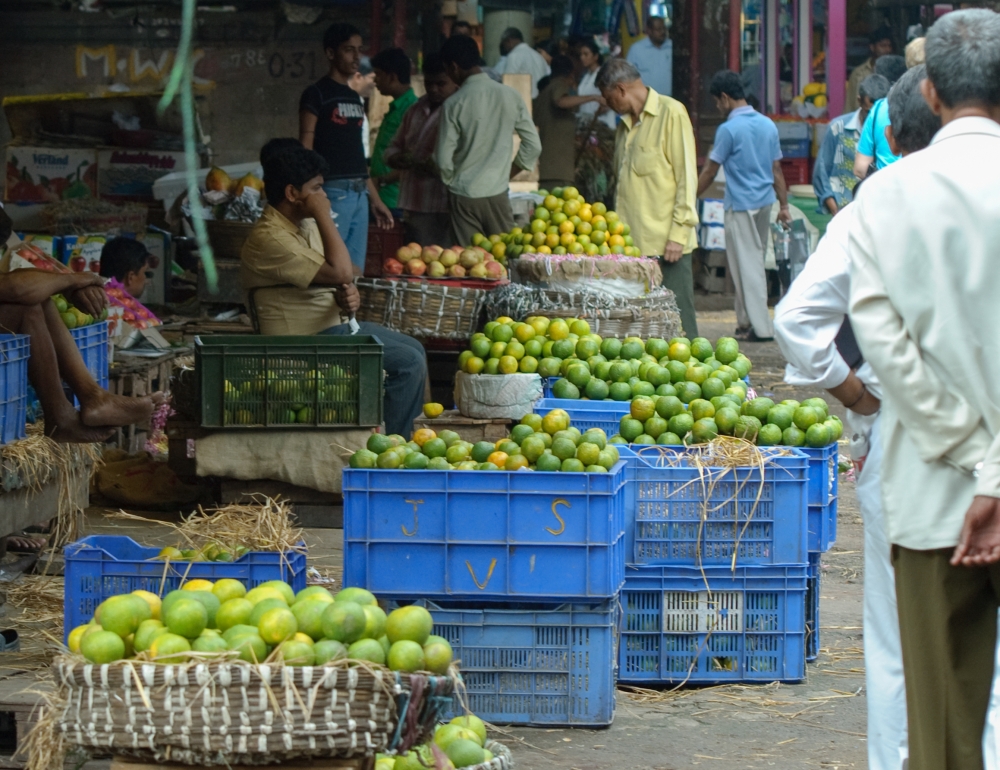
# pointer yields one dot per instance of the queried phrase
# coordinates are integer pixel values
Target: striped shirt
(418, 190)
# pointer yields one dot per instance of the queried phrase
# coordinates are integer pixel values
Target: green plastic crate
(289, 382)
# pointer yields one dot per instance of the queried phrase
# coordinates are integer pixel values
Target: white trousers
(746, 245)
(886, 691)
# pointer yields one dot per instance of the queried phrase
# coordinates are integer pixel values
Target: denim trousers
(349, 201)
(405, 365)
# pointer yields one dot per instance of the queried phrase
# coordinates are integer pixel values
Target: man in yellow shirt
(657, 177)
(298, 277)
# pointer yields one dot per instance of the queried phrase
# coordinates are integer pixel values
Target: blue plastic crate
(713, 625)
(92, 342)
(498, 535)
(823, 473)
(683, 515)
(796, 148)
(547, 666)
(101, 566)
(812, 608)
(547, 383)
(584, 415)
(15, 349)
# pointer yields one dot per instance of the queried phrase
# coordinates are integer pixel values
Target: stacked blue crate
(523, 570)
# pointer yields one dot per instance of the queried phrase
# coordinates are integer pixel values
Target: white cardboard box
(793, 129)
(50, 174)
(712, 237)
(713, 212)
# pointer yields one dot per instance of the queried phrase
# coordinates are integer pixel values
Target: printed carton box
(50, 174)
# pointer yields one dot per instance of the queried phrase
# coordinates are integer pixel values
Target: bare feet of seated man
(25, 308)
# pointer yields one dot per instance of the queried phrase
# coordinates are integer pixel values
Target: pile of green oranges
(462, 741)
(225, 621)
(536, 345)
(72, 317)
(539, 443)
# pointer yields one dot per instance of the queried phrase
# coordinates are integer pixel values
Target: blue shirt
(833, 173)
(746, 146)
(872, 141)
(655, 65)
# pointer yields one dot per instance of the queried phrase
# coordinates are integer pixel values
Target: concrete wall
(251, 67)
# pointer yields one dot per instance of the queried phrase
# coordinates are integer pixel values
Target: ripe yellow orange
(599, 208)
(197, 585)
(571, 207)
(558, 330)
(585, 228)
(423, 435)
(504, 319)
(617, 228)
(538, 239)
(616, 240)
(508, 365)
(152, 600)
(543, 249)
(474, 365)
(524, 332)
(567, 239)
(499, 249)
(566, 227)
(516, 462)
(552, 240)
(586, 213)
(550, 202)
(540, 324)
(499, 459)
(433, 410)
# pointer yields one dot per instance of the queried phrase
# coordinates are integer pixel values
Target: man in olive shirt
(555, 116)
(657, 177)
(476, 143)
(297, 273)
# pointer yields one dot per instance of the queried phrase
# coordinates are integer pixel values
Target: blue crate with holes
(713, 625)
(587, 414)
(101, 566)
(686, 512)
(823, 481)
(812, 608)
(15, 349)
(497, 536)
(529, 664)
(92, 342)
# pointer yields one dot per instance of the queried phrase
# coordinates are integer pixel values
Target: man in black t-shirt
(331, 115)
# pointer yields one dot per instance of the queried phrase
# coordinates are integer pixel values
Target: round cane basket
(242, 714)
(502, 759)
(227, 238)
(654, 314)
(422, 309)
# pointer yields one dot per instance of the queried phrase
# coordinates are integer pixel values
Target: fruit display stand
(653, 315)
(428, 309)
(613, 273)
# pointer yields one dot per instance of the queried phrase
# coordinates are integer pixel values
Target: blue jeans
(405, 365)
(349, 200)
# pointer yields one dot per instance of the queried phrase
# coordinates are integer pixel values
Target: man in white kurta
(925, 305)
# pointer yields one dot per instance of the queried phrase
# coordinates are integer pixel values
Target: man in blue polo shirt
(747, 147)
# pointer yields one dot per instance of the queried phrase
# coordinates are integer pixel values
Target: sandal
(751, 336)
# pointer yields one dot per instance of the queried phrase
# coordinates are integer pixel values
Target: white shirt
(524, 60)
(656, 65)
(925, 283)
(585, 112)
(807, 320)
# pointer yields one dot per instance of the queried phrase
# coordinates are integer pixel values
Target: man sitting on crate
(299, 280)
(26, 308)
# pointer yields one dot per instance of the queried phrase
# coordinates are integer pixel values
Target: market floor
(819, 723)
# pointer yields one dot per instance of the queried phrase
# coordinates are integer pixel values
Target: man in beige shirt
(880, 44)
(298, 277)
(924, 288)
(657, 177)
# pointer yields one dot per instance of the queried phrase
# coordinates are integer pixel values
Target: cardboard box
(50, 174)
(50, 244)
(713, 212)
(84, 252)
(712, 237)
(128, 174)
(158, 243)
(793, 129)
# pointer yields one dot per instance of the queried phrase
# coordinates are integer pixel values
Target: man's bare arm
(32, 287)
(307, 129)
(707, 176)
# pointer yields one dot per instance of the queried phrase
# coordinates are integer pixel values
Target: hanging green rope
(180, 83)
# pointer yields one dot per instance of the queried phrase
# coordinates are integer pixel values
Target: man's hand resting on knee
(979, 543)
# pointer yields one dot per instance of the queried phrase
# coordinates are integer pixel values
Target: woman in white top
(590, 58)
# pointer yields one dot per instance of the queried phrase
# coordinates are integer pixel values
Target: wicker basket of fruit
(422, 309)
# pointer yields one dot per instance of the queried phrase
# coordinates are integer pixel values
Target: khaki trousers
(488, 216)
(679, 278)
(746, 245)
(948, 625)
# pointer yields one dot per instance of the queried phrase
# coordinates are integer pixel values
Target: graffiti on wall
(134, 66)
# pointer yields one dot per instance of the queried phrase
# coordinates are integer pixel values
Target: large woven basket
(421, 309)
(242, 714)
(227, 238)
(653, 315)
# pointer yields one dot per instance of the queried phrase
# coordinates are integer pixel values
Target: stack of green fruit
(667, 420)
(291, 389)
(460, 743)
(308, 628)
(72, 317)
(537, 443)
(209, 552)
(537, 345)
(686, 369)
